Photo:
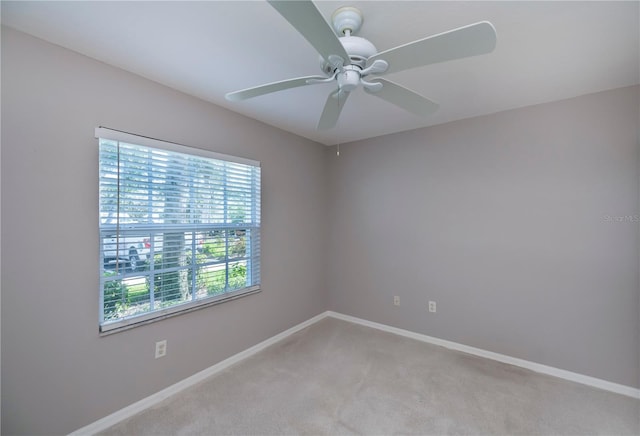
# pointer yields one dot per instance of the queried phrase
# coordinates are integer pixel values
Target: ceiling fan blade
(256, 91)
(404, 98)
(307, 19)
(331, 111)
(471, 40)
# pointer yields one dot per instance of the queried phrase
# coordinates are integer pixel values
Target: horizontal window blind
(179, 228)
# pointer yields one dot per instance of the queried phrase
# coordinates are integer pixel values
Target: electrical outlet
(432, 306)
(396, 300)
(161, 348)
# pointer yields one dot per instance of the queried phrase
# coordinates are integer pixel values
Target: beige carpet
(340, 378)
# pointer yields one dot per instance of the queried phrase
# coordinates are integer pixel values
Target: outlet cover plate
(161, 349)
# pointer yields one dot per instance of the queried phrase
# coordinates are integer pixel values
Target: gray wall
(57, 373)
(501, 220)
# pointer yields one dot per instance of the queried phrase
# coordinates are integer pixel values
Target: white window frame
(111, 326)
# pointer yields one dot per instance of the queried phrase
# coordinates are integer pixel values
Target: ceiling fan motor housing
(349, 79)
(358, 49)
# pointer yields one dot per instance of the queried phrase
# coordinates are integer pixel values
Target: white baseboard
(537, 367)
(152, 400)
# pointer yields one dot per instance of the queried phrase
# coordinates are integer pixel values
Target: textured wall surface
(522, 226)
(57, 373)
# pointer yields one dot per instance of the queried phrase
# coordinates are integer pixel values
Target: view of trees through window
(175, 228)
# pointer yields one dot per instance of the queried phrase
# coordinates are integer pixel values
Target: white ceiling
(546, 51)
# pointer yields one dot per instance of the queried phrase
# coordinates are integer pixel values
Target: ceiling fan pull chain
(338, 150)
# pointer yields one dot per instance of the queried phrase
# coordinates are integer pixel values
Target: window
(179, 228)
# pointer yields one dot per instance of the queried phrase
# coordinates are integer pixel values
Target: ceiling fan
(352, 61)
